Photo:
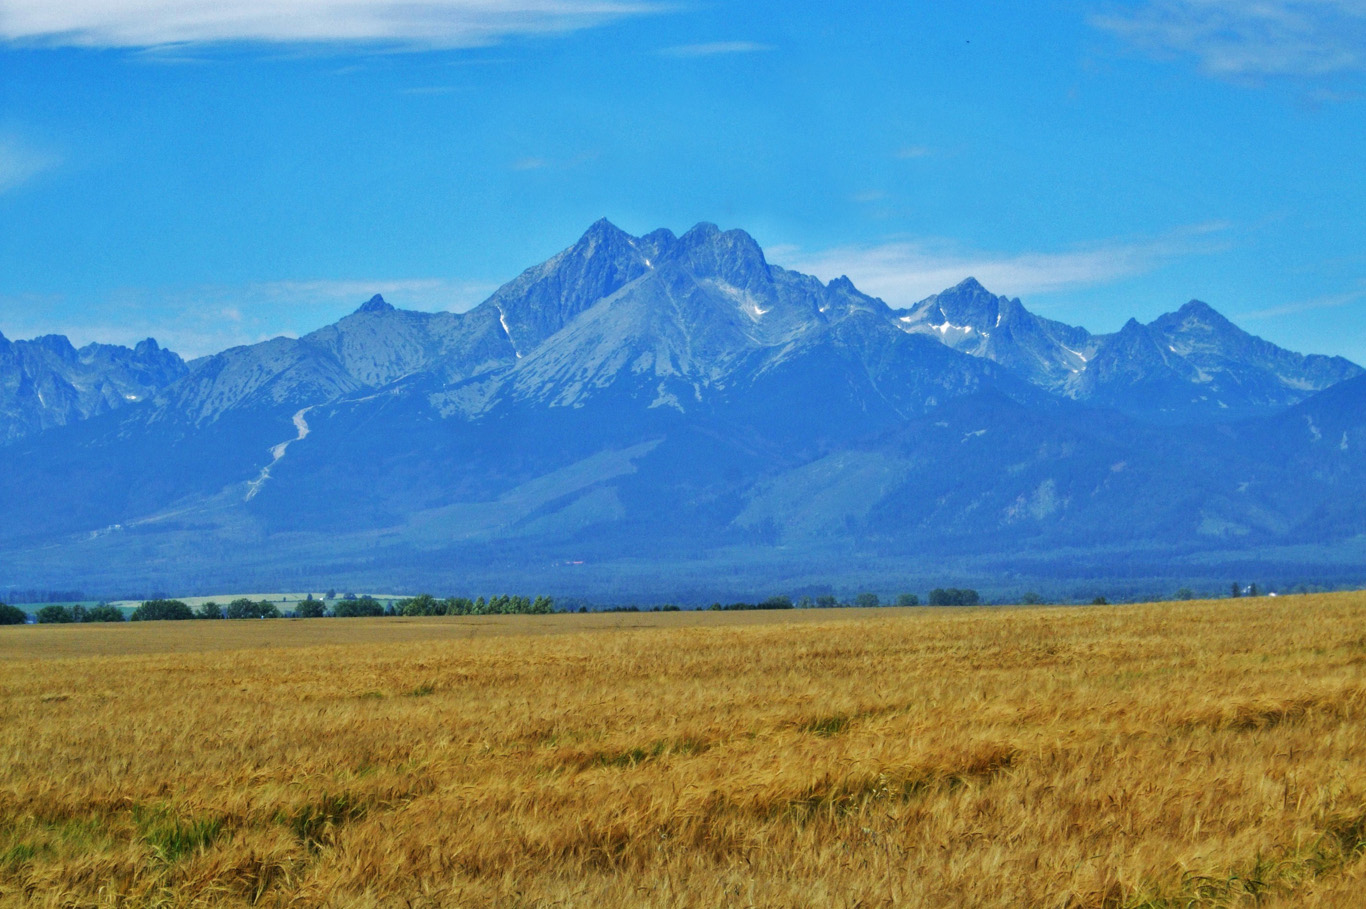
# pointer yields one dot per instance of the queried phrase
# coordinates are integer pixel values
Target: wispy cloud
(538, 163)
(1248, 38)
(716, 48)
(398, 23)
(1332, 301)
(905, 271)
(911, 152)
(20, 163)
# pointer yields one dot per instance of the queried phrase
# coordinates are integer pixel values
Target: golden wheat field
(1201, 754)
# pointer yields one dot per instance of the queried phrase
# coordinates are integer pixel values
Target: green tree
(1236, 590)
(952, 596)
(12, 615)
(310, 609)
(1185, 593)
(866, 600)
(422, 604)
(1100, 601)
(1031, 599)
(103, 613)
(243, 608)
(162, 610)
(209, 610)
(54, 614)
(457, 606)
(907, 599)
(358, 607)
(1252, 591)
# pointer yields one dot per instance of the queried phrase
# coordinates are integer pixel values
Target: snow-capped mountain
(971, 319)
(678, 399)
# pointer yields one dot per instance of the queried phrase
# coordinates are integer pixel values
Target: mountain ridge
(674, 397)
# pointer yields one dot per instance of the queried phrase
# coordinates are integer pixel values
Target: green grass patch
(172, 837)
(314, 823)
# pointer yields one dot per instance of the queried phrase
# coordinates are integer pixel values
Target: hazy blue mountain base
(672, 418)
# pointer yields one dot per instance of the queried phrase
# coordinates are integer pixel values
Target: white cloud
(903, 272)
(408, 23)
(1249, 38)
(716, 48)
(1332, 301)
(19, 163)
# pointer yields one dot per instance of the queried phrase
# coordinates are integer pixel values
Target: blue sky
(213, 172)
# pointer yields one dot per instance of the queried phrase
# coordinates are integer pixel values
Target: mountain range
(675, 416)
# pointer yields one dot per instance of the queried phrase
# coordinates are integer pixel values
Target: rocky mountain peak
(1196, 312)
(147, 348)
(732, 256)
(603, 235)
(375, 304)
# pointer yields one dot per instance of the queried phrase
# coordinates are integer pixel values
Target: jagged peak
(58, 344)
(970, 285)
(1201, 310)
(660, 237)
(602, 230)
(700, 231)
(147, 347)
(842, 283)
(706, 235)
(375, 304)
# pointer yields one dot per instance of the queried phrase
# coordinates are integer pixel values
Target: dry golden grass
(1203, 754)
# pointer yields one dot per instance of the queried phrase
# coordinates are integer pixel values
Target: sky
(216, 172)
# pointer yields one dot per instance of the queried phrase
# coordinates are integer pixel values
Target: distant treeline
(350, 605)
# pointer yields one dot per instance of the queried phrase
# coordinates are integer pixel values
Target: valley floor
(1193, 754)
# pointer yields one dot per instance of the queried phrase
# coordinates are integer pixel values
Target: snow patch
(748, 305)
(503, 321)
(1076, 353)
(1313, 430)
(1343, 446)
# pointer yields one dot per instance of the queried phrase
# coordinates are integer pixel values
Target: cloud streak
(1247, 39)
(715, 49)
(1289, 309)
(903, 272)
(19, 163)
(399, 23)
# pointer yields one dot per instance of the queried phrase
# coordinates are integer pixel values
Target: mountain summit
(375, 304)
(639, 403)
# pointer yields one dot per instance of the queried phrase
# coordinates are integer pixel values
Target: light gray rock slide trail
(277, 452)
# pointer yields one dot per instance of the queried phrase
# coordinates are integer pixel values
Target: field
(1195, 754)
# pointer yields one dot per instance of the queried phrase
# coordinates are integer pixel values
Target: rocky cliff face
(47, 382)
